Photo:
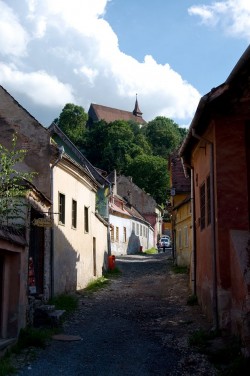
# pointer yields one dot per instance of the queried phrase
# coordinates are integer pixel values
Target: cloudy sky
(169, 52)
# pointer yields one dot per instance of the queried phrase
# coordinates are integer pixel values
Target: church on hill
(98, 112)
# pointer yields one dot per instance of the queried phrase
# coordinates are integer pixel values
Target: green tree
(164, 136)
(12, 187)
(112, 145)
(151, 174)
(72, 121)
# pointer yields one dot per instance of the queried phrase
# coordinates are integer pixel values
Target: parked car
(164, 242)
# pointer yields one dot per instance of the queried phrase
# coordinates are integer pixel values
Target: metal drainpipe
(213, 242)
(61, 151)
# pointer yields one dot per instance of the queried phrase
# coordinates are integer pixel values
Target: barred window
(180, 238)
(86, 219)
(185, 236)
(74, 213)
(61, 208)
(112, 234)
(124, 234)
(208, 201)
(117, 234)
(202, 206)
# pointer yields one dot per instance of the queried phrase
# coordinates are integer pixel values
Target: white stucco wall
(120, 247)
(138, 235)
(73, 247)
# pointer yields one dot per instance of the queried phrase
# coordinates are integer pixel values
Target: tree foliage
(12, 189)
(164, 136)
(141, 152)
(112, 145)
(72, 121)
(151, 174)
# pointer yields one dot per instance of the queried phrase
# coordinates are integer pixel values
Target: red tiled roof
(98, 112)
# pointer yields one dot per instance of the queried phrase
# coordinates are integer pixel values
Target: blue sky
(203, 54)
(170, 52)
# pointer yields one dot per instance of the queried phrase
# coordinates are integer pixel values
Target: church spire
(137, 111)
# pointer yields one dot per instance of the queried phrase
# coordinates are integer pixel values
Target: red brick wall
(231, 193)
(231, 204)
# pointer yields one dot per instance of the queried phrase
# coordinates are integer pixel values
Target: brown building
(98, 112)
(217, 155)
(17, 247)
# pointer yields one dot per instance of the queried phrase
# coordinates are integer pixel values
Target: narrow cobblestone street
(138, 325)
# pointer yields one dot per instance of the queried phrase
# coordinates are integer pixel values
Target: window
(86, 219)
(133, 227)
(180, 238)
(137, 228)
(124, 234)
(61, 208)
(117, 234)
(112, 234)
(74, 213)
(202, 206)
(140, 230)
(208, 201)
(185, 236)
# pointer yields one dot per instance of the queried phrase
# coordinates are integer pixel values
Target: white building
(80, 235)
(130, 232)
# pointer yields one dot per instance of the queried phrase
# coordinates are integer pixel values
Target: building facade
(216, 154)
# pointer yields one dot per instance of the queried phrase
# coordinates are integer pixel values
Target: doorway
(36, 255)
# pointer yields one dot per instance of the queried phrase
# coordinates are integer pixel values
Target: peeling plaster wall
(31, 136)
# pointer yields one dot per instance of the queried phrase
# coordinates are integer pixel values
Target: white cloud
(73, 55)
(233, 16)
(38, 86)
(14, 38)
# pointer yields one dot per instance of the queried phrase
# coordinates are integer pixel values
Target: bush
(5, 367)
(66, 302)
(180, 269)
(32, 337)
(192, 300)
